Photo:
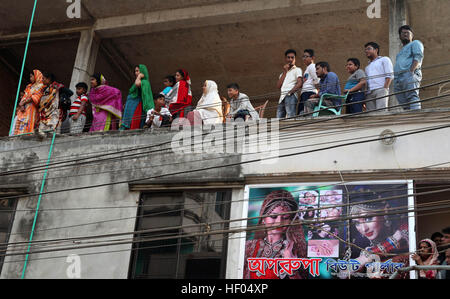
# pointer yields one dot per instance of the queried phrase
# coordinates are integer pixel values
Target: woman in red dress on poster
(181, 95)
(276, 241)
(388, 236)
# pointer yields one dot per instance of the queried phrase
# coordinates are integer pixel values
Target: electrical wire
(152, 166)
(347, 126)
(200, 234)
(425, 86)
(235, 164)
(141, 153)
(150, 247)
(378, 212)
(230, 201)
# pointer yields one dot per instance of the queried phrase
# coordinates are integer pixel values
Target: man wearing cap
(408, 74)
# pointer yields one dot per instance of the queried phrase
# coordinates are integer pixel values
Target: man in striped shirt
(77, 113)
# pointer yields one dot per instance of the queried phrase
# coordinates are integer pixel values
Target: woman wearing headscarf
(106, 104)
(387, 238)
(279, 238)
(139, 101)
(180, 97)
(27, 115)
(49, 111)
(209, 108)
(427, 255)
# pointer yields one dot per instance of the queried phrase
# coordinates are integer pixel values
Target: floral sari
(49, 109)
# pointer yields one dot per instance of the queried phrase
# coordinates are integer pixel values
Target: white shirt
(157, 120)
(377, 72)
(290, 81)
(310, 79)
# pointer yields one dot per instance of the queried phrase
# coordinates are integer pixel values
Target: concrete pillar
(236, 241)
(397, 17)
(86, 58)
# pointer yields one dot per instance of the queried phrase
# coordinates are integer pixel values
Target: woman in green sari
(139, 101)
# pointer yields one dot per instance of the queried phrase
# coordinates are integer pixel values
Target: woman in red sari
(277, 242)
(181, 95)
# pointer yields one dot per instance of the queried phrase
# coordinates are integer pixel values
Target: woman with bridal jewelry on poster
(281, 238)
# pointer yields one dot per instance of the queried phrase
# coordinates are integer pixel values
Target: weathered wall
(407, 152)
(79, 213)
(429, 222)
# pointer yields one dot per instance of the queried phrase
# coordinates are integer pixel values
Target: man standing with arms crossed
(380, 74)
(289, 83)
(408, 74)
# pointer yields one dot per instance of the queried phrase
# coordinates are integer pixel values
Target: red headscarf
(183, 96)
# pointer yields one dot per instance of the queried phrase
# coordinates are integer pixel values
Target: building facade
(158, 204)
(106, 194)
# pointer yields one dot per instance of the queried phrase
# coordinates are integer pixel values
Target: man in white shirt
(380, 74)
(289, 83)
(310, 80)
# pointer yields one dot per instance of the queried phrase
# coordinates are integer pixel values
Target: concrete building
(125, 187)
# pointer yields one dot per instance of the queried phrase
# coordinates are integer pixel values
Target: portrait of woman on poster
(325, 231)
(275, 240)
(331, 213)
(384, 236)
(331, 197)
(309, 197)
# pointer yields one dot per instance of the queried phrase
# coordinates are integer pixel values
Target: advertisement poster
(328, 230)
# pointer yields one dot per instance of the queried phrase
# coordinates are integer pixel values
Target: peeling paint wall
(62, 213)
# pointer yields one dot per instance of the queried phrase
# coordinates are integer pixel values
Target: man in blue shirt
(329, 83)
(408, 74)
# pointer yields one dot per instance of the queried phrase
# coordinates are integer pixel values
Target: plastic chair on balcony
(442, 91)
(261, 109)
(329, 110)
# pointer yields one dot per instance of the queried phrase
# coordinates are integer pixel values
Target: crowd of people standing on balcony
(46, 105)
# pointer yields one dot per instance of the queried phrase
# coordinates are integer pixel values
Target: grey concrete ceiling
(250, 53)
(15, 14)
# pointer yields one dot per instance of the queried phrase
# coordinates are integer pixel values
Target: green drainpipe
(23, 66)
(38, 204)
